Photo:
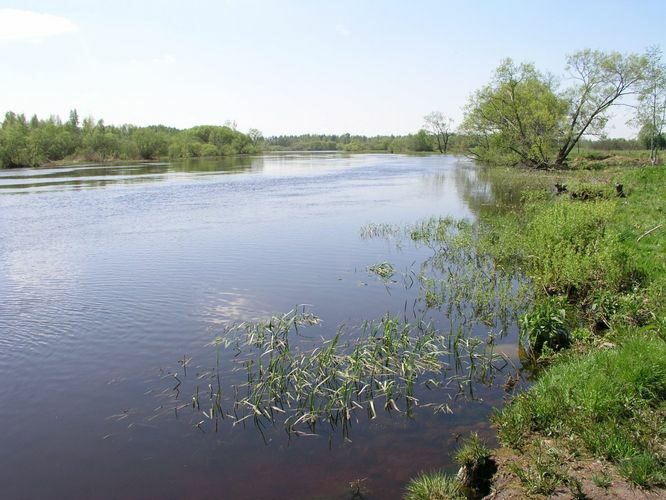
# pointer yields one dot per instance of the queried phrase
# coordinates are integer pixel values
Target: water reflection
(96, 176)
(489, 190)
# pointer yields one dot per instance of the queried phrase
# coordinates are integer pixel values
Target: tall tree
(440, 128)
(600, 80)
(651, 109)
(522, 117)
(517, 118)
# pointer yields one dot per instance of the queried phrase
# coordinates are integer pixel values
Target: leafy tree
(150, 143)
(652, 140)
(15, 150)
(255, 136)
(73, 122)
(601, 79)
(420, 141)
(521, 117)
(651, 109)
(440, 128)
(517, 118)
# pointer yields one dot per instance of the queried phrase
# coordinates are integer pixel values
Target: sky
(290, 67)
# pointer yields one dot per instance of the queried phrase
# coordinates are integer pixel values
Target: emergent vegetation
(304, 383)
(594, 331)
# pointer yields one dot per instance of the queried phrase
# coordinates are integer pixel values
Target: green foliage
(650, 138)
(563, 247)
(384, 270)
(517, 118)
(33, 143)
(591, 260)
(473, 452)
(151, 143)
(422, 141)
(608, 401)
(521, 117)
(434, 486)
(545, 326)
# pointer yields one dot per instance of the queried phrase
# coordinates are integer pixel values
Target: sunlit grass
(434, 486)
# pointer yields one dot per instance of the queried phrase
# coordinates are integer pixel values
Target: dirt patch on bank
(576, 478)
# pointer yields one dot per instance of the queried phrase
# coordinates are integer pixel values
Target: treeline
(422, 141)
(34, 142)
(613, 144)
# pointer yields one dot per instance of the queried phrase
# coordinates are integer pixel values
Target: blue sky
(365, 67)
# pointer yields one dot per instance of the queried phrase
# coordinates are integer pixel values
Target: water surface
(111, 274)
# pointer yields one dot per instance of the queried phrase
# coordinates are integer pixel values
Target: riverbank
(592, 426)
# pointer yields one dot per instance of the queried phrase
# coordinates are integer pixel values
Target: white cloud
(20, 25)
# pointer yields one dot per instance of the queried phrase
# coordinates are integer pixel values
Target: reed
(303, 381)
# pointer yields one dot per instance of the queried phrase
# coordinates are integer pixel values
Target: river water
(109, 275)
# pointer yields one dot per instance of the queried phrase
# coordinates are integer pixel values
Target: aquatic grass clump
(609, 403)
(338, 377)
(473, 451)
(385, 231)
(460, 277)
(476, 466)
(384, 270)
(434, 486)
(291, 377)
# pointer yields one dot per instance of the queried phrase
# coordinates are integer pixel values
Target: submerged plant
(461, 278)
(302, 381)
(384, 270)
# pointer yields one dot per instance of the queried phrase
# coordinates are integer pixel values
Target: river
(109, 275)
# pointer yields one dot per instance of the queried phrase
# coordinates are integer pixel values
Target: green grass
(603, 159)
(434, 486)
(606, 397)
(601, 480)
(564, 247)
(596, 263)
(606, 402)
(472, 452)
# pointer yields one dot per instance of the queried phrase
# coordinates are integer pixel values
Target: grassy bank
(595, 332)
(601, 260)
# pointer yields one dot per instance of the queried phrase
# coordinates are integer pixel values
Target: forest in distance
(522, 117)
(38, 142)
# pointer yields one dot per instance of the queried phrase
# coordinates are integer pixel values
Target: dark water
(110, 275)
